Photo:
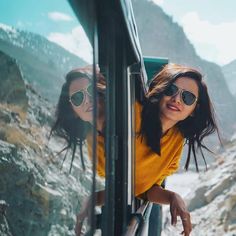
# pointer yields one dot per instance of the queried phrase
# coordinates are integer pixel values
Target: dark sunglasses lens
(90, 90)
(171, 90)
(77, 98)
(188, 98)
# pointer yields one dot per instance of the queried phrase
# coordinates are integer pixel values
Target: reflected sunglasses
(77, 98)
(187, 97)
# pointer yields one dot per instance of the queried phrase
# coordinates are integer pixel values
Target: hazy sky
(210, 25)
(53, 19)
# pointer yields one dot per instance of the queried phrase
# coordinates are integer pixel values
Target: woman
(74, 112)
(74, 120)
(177, 108)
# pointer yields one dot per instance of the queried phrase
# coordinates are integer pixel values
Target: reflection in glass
(41, 191)
(74, 122)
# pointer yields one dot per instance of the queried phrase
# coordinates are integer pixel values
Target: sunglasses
(77, 98)
(187, 97)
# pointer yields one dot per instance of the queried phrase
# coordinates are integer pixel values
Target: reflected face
(80, 98)
(179, 106)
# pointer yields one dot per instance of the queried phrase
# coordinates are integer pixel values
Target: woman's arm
(157, 194)
(85, 210)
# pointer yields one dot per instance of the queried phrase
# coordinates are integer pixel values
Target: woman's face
(81, 102)
(173, 108)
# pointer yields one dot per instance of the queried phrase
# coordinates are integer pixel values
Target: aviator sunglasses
(77, 98)
(187, 97)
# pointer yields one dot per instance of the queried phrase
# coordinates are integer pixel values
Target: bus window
(46, 115)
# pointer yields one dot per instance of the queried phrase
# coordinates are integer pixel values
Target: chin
(173, 119)
(86, 119)
(90, 120)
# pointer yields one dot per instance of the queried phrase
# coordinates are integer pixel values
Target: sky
(210, 25)
(53, 19)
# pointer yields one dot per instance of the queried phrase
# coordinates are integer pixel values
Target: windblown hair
(194, 128)
(68, 125)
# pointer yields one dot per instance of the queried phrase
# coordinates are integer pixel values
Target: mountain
(229, 71)
(161, 37)
(43, 64)
(37, 196)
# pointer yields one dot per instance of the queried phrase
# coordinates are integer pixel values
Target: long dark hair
(194, 128)
(68, 125)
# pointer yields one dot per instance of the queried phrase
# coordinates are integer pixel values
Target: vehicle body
(111, 27)
(40, 194)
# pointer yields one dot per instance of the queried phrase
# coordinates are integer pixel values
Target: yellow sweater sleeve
(172, 168)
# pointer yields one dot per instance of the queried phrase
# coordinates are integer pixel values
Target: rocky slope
(43, 63)
(42, 197)
(211, 198)
(229, 71)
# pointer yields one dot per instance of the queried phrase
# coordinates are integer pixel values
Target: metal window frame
(111, 29)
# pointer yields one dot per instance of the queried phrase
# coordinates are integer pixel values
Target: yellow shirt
(150, 168)
(100, 153)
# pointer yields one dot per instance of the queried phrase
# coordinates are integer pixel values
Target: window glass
(43, 186)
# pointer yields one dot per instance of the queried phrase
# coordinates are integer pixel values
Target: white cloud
(75, 42)
(158, 2)
(59, 16)
(214, 42)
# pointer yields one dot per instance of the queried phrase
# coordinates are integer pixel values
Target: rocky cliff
(215, 214)
(43, 64)
(211, 199)
(42, 198)
(229, 71)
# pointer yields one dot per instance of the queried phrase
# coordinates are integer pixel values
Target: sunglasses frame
(181, 91)
(83, 91)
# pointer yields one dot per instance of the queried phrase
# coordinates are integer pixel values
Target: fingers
(178, 208)
(79, 224)
(173, 213)
(78, 229)
(186, 222)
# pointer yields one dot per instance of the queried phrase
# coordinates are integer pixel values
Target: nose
(88, 98)
(177, 97)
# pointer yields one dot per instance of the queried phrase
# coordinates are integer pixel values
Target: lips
(172, 107)
(89, 109)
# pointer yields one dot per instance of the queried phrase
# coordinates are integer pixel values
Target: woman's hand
(85, 210)
(81, 217)
(159, 195)
(79, 224)
(178, 208)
